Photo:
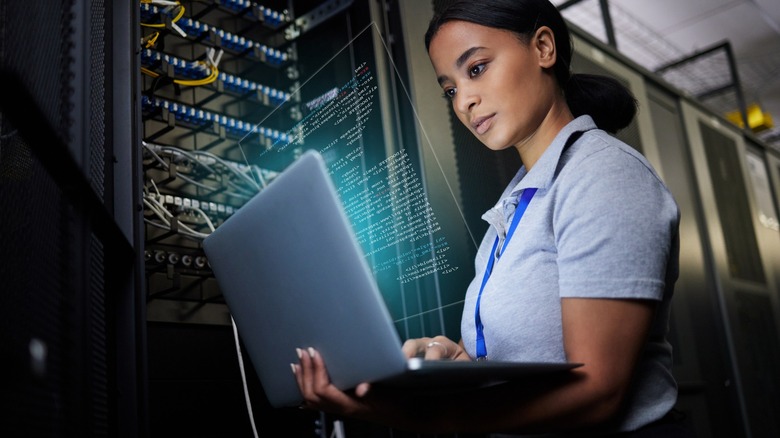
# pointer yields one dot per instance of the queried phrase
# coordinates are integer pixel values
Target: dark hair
(607, 101)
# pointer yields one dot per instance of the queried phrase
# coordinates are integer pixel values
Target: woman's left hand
(319, 393)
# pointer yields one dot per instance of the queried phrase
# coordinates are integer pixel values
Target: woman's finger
(437, 350)
(305, 375)
(319, 374)
(415, 347)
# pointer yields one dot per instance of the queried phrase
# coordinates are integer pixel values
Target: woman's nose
(465, 101)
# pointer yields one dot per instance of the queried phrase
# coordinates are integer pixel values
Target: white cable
(155, 187)
(151, 151)
(186, 154)
(232, 167)
(243, 377)
(200, 212)
(240, 189)
(338, 429)
(156, 212)
(193, 156)
(179, 30)
(219, 57)
(159, 207)
(259, 173)
(205, 216)
(161, 212)
(213, 189)
(198, 184)
(181, 232)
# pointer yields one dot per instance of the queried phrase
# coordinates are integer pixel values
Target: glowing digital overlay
(412, 232)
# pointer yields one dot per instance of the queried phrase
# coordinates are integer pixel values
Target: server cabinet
(758, 160)
(773, 166)
(743, 265)
(70, 320)
(702, 363)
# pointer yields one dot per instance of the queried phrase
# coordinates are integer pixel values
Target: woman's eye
(476, 70)
(449, 93)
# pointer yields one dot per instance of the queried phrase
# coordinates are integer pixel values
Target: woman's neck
(532, 148)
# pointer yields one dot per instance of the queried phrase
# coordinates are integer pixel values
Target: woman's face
(496, 82)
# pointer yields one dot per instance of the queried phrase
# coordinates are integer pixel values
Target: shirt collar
(540, 176)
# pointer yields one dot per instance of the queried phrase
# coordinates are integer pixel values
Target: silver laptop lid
(293, 275)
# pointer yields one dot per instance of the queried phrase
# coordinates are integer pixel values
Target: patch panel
(199, 118)
(154, 61)
(152, 14)
(233, 42)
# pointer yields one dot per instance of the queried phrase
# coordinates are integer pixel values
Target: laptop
(294, 276)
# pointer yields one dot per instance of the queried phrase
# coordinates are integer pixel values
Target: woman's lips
(482, 124)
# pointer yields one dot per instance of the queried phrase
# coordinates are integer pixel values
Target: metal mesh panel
(97, 332)
(52, 316)
(98, 109)
(33, 330)
(36, 53)
(701, 75)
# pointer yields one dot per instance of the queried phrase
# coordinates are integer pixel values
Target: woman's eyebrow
(466, 55)
(461, 60)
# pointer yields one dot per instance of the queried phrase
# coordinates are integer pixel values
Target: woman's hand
(393, 407)
(438, 347)
(319, 393)
(364, 402)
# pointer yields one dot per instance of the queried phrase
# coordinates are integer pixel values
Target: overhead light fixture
(757, 119)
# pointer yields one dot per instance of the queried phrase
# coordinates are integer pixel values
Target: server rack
(744, 262)
(72, 323)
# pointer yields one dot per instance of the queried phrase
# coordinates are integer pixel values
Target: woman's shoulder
(599, 149)
(599, 163)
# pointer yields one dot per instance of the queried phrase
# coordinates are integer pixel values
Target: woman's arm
(606, 335)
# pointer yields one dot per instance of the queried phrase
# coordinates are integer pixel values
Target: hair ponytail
(603, 98)
(607, 101)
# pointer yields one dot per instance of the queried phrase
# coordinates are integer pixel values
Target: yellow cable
(151, 40)
(148, 72)
(179, 15)
(162, 25)
(188, 82)
(198, 82)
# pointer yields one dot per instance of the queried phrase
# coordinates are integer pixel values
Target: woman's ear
(543, 44)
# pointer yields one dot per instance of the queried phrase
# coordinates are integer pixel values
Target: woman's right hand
(438, 347)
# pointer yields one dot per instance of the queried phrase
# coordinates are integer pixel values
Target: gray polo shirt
(602, 224)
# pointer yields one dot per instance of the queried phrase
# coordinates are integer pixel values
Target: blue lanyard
(525, 199)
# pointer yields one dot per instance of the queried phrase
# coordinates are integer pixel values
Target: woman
(588, 277)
